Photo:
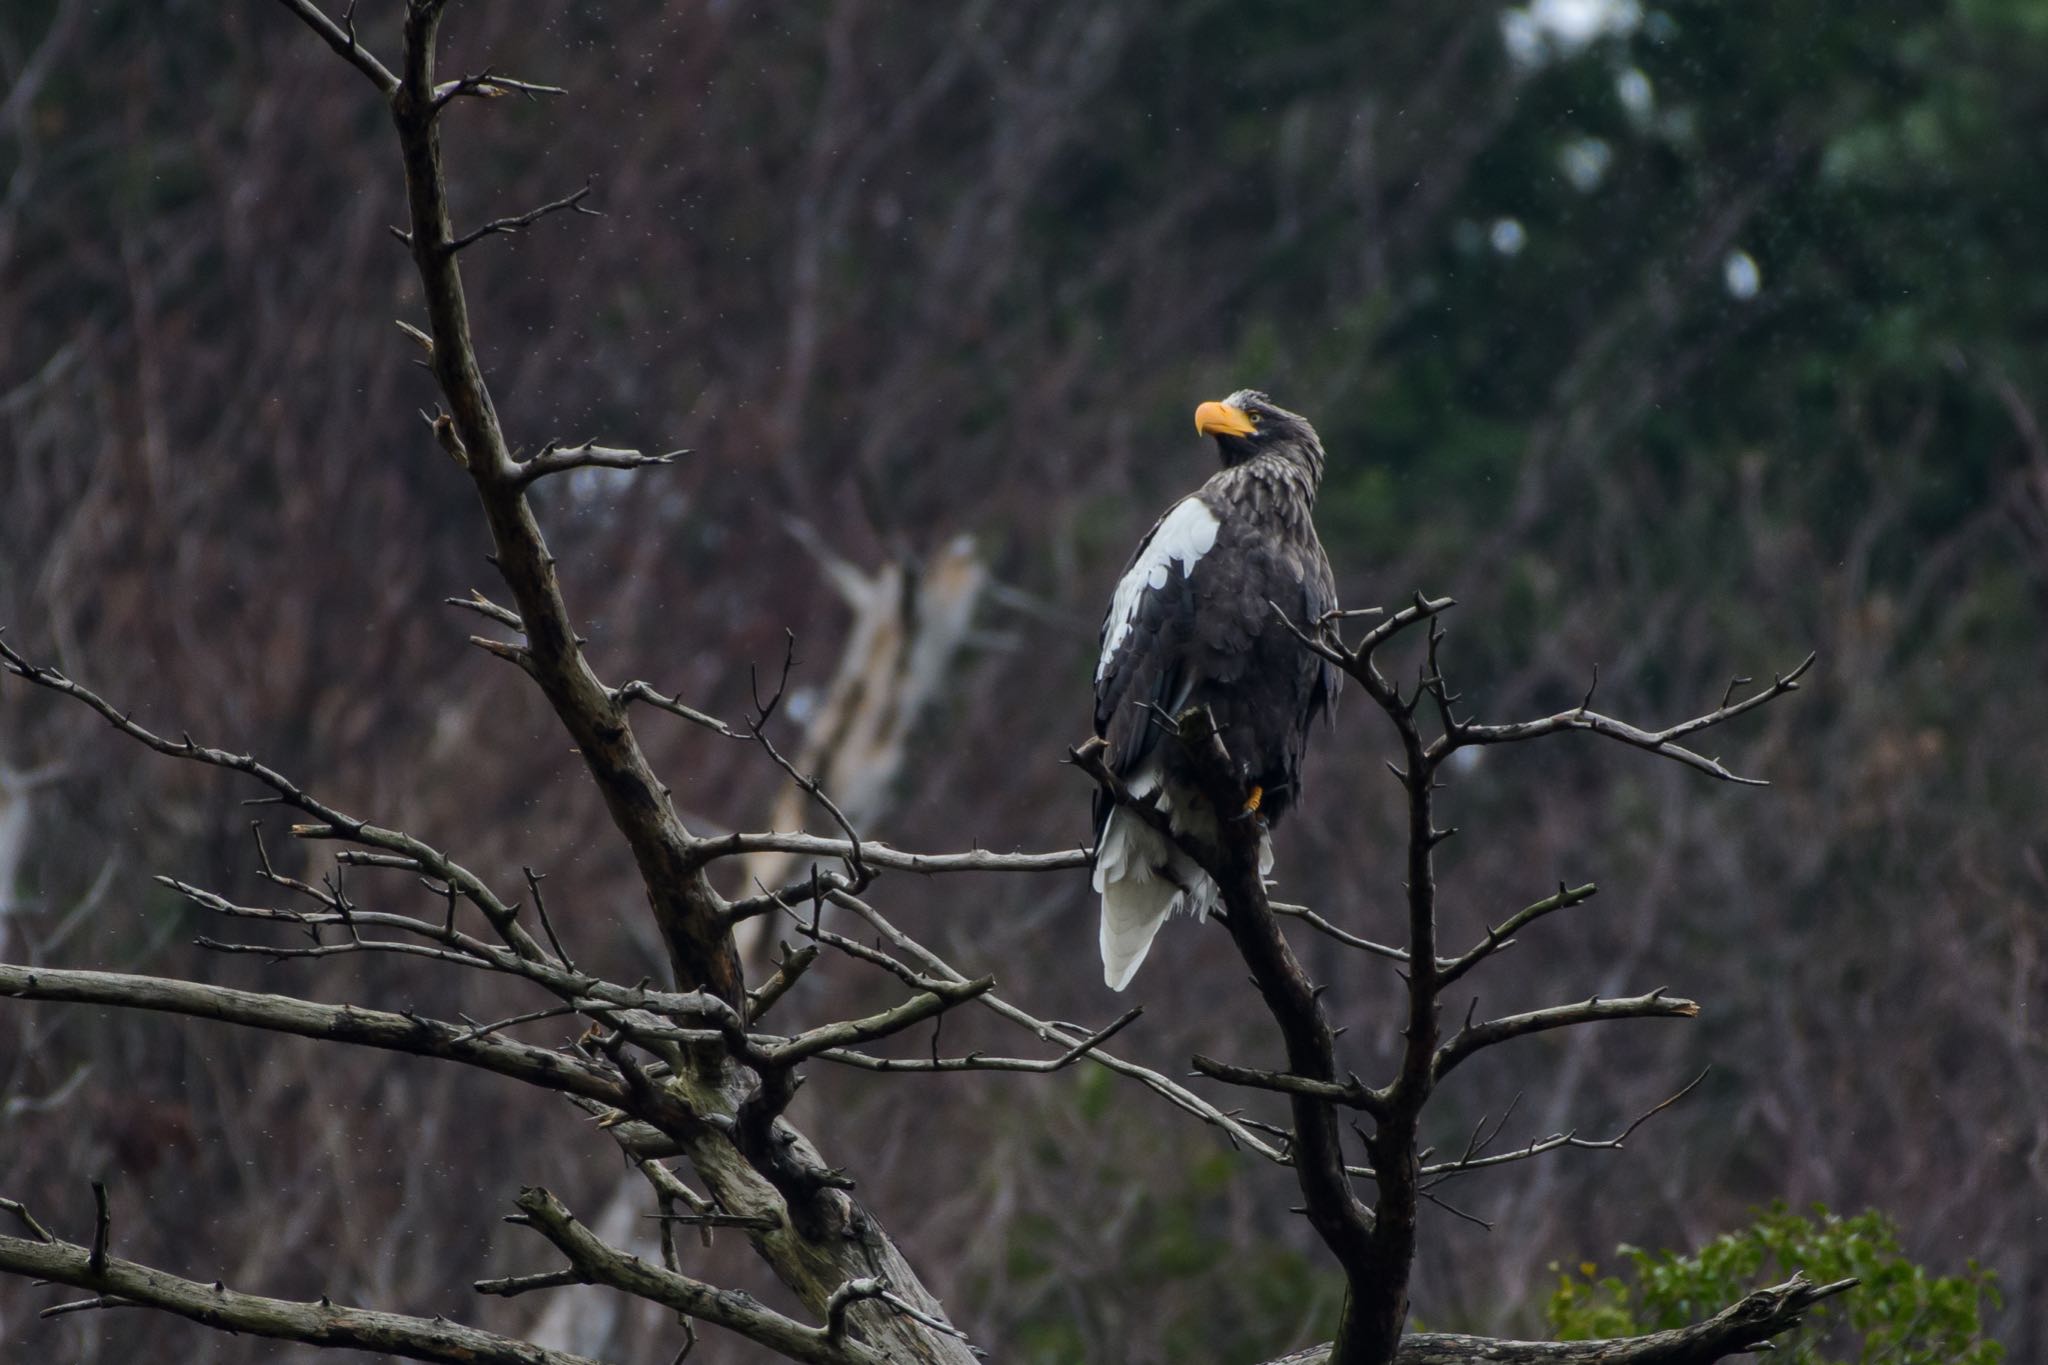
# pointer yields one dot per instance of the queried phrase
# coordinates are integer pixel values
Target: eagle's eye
(1252, 415)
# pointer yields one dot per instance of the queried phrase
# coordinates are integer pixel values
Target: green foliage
(1899, 1314)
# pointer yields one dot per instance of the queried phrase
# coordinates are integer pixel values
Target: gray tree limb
(320, 1323)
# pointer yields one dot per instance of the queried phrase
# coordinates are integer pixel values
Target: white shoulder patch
(1184, 535)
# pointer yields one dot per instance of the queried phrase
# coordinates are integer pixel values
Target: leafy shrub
(1899, 1315)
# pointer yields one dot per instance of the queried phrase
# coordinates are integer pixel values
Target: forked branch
(741, 1313)
(1663, 742)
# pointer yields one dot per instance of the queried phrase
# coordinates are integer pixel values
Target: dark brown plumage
(1192, 623)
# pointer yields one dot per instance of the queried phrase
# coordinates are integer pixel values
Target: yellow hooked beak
(1217, 419)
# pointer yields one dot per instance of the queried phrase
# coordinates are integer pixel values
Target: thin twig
(344, 42)
(559, 459)
(1351, 940)
(540, 907)
(976, 1061)
(808, 783)
(513, 1285)
(486, 608)
(1662, 742)
(28, 1220)
(794, 964)
(570, 203)
(1352, 1095)
(102, 1228)
(644, 692)
(488, 86)
(1499, 937)
(1473, 1037)
(1472, 1161)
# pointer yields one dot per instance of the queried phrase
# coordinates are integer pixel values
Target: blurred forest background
(1678, 338)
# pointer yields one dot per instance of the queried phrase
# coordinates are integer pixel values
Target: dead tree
(1374, 1240)
(696, 1071)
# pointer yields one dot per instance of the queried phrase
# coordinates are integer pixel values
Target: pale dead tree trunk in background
(911, 618)
(17, 793)
(692, 1071)
(14, 817)
(588, 1324)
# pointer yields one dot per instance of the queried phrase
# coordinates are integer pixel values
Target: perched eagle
(1192, 623)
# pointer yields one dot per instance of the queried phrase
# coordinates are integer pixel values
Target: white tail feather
(1141, 877)
(1136, 895)
(1132, 911)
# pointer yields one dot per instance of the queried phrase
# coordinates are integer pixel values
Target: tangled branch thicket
(693, 1084)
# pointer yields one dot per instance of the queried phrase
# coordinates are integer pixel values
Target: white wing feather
(1184, 535)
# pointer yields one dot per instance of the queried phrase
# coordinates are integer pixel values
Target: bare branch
(1090, 756)
(640, 691)
(794, 965)
(878, 855)
(96, 1303)
(468, 950)
(585, 993)
(686, 909)
(1421, 609)
(1346, 1226)
(343, 41)
(847, 1295)
(851, 1032)
(514, 1285)
(486, 608)
(1322, 643)
(1468, 1040)
(559, 459)
(976, 1061)
(1350, 940)
(1662, 742)
(808, 783)
(102, 1229)
(489, 86)
(875, 1288)
(1354, 1095)
(28, 1220)
(1239, 1134)
(319, 1324)
(411, 1033)
(902, 971)
(540, 908)
(333, 823)
(1472, 1160)
(570, 203)
(714, 1219)
(281, 952)
(738, 1312)
(1501, 936)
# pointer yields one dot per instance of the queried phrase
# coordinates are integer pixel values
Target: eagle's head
(1248, 423)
